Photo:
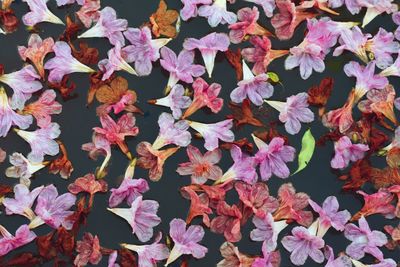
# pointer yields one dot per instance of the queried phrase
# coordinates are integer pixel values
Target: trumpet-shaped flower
(190, 9)
(382, 45)
(216, 13)
(114, 62)
(68, 2)
(213, 132)
(8, 242)
(22, 168)
(172, 132)
(89, 12)
(267, 230)
(375, 8)
(128, 190)
(22, 202)
(267, 5)
(346, 151)
(39, 12)
(99, 146)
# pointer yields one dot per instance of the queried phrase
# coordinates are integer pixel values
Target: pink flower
(53, 209)
(115, 132)
(190, 9)
(382, 45)
(294, 111)
(272, 157)
(142, 217)
(303, 244)
(269, 259)
(392, 70)
(176, 100)
(216, 13)
(22, 202)
(36, 51)
(9, 242)
(9, 117)
(209, 45)
(44, 107)
(376, 8)
(63, 63)
(341, 261)
(267, 230)
(112, 259)
(396, 20)
(376, 203)
(114, 62)
(205, 95)
(201, 167)
(213, 132)
(329, 216)
(256, 88)
(346, 151)
(227, 222)
(267, 5)
(108, 26)
(363, 240)
(353, 40)
(143, 50)
(24, 83)
(89, 12)
(39, 12)
(181, 67)
(172, 132)
(22, 168)
(149, 255)
(352, 5)
(88, 250)
(99, 146)
(68, 2)
(185, 241)
(262, 54)
(233, 257)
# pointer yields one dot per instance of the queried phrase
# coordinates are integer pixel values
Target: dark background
(77, 122)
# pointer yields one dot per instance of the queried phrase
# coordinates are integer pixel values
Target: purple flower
(267, 5)
(267, 230)
(185, 240)
(114, 62)
(363, 240)
(382, 45)
(346, 151)
(108, 26)
(172, 132)
(213, 131)
(9, 242)
(42, 141)
(396, 20)
(63, 63)
(149, 255)
(329, 216)
(181, 67)
(8, 117)
(39, 13)
(24, 83)
(143, 50)
(353, 40)
(216, 13)
(22, 168)
(176, 100)
(303, 244)
(142, 217)
(294, 111)
(272, 157)
(209, 45)
(341, 261)
(256, 88)
(53, 209)
(22, 202)
(190, 10)
(269, 259)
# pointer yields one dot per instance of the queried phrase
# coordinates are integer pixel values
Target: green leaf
(307, 150)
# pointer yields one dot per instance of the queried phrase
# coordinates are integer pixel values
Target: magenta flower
(8, 117)
(44, 107)
(149, 255)
(42, 141)
(114, 62)
(269, 259)
(267, 5)
(217, 13)
(267, 230)
(346, 151)
(142, 217)
(256, 88)
(22, 202)
(53, 209)
(272, 157)
(176, 100)
(185, 240)
(205, 95)
(294, 111)
(39, 12)
(201, 167)
(329, 216)
(24, 83)
(63, 63)
(209, 45)
(143, 50)
(108, 26)
(303, 244)
(172, 132)
(22, 168)
(9, 242)
(181, 67)
(353, 40)
(69, 2)
(382, 45)
(213, 132)
(190, 9)
(363, 240)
